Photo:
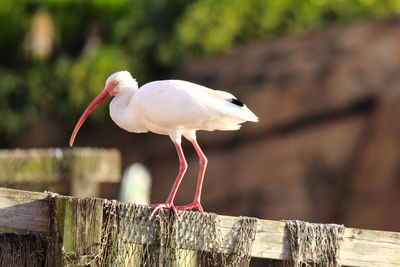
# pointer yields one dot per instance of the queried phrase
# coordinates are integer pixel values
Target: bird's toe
(163, 205)
(193, 205)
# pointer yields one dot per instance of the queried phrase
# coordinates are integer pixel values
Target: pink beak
(100, 98)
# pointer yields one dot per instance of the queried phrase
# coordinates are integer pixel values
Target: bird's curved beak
(100, 98)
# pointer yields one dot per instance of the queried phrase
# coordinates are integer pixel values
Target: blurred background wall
(323, 77)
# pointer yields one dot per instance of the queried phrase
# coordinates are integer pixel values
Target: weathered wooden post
(80, 228)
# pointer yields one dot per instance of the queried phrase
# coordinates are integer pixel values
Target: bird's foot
(194, 205)
(163, 205)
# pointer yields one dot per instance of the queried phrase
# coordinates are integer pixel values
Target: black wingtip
(237, 102)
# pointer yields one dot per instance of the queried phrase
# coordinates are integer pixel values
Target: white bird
(170, 107)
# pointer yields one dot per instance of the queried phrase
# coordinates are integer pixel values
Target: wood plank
(271, 239)
(29, 211)
(370, 248)
(23, 211)
(360, 247)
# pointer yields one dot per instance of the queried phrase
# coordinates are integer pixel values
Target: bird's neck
(120, 103)
(123, 99)
(123, 113)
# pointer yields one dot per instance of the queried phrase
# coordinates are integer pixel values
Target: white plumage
(170, 107)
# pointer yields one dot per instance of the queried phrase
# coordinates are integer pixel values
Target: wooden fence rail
(22, 211)
(77, 172)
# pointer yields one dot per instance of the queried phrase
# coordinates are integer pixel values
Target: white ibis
(170, 107)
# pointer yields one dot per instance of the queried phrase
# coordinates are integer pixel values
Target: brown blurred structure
(326, 148)
(327, 145)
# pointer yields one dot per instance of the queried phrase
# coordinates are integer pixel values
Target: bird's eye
(114, 83)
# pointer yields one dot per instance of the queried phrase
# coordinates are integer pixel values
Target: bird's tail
(249, 115)
(244, 113)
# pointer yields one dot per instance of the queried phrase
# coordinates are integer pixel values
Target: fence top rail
(22, 211)
(53, 164)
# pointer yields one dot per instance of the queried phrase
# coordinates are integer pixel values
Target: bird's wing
(231, 106)
(216, 93)
(174, 104)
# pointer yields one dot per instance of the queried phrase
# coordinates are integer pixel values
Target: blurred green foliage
(93, 39)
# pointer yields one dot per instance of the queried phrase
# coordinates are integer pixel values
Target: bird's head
(119, 81)
(115, 85)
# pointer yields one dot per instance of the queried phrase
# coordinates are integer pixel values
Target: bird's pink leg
(203, 165)
(170, 200)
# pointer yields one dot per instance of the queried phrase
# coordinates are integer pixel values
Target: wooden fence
(80, 229)
(76, 172)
